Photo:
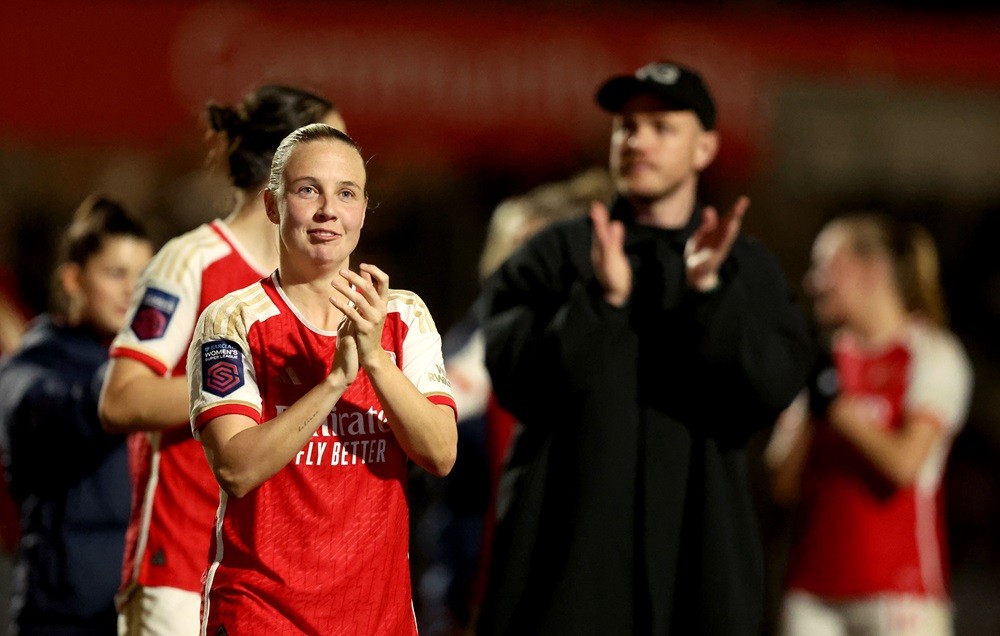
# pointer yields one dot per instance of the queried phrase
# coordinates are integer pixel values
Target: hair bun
(226, 119)
(254, 128)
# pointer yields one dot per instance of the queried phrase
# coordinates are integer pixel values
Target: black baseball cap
(679, 87)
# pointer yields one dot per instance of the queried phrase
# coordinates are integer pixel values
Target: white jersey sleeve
(220, 367)
(423, 361)
(166, 301)
(940, 377)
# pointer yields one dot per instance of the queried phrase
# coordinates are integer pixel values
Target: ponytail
(253, 129)
(926, 295)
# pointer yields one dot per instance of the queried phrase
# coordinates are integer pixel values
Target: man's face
(655, 152)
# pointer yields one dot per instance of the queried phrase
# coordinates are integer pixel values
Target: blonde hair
(517, 218)
(912, 253)
(305, 134)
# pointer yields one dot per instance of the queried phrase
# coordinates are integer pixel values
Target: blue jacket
(69, 479)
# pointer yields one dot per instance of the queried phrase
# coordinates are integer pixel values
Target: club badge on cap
(659, 72)
(675, 86)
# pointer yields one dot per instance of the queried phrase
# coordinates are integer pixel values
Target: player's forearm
(897, 454)
(257, 453)
(886, 454)
(426, 432)
(143, 403)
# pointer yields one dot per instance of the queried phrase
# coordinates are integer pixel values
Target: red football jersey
(321, 547)
(175, 495)
(857, 534)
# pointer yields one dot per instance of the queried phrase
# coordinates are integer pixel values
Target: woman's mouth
(322, 236)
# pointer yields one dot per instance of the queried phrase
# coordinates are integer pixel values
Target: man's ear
(271, 206)
(706, 149)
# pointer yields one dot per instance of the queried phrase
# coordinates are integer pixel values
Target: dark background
(824, 107)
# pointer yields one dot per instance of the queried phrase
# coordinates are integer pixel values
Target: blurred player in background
(176, 497)
(68, 477)
(864, 450)
(310, 391)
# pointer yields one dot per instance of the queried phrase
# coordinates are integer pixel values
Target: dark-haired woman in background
(175, 494)
(869, 552)
(68, 477)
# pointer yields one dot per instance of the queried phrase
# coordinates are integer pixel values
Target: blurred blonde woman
(865, 449)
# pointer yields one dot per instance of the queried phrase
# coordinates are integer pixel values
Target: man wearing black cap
(639, 349)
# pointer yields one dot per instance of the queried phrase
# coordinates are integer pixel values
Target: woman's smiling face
(322, 206)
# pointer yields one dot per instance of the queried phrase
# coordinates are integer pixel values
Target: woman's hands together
(363, 298)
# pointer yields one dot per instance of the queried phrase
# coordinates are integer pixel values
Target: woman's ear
(879, 269)
(271, 206)
(69, 279)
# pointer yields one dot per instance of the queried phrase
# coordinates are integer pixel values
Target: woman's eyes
(310, 191)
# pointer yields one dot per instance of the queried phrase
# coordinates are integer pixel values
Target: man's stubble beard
(640, 199)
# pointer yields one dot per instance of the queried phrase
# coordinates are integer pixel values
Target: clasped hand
(362, 298)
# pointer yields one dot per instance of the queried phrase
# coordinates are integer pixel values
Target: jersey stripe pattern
(857, 535)
(322, 546)
(175, 495)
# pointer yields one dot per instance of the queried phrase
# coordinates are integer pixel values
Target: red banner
(438, 82)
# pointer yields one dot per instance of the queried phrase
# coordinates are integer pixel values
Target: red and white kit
(175, 495)
(858, 535)
(321, 547)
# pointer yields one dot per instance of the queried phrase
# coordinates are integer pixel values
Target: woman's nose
(325, 211)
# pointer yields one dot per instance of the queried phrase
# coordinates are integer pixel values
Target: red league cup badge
(154, 314)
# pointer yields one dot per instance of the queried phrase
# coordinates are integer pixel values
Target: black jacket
(69, 479)
(627, 505)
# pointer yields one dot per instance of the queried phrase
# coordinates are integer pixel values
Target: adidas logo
(159, 558)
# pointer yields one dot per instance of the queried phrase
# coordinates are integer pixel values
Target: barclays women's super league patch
(154, 314)
(221, 367)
